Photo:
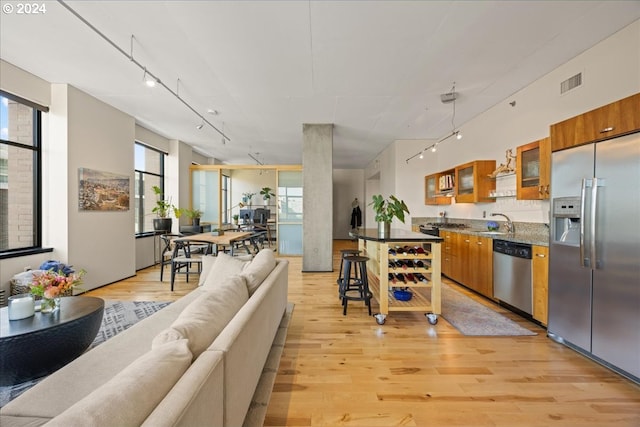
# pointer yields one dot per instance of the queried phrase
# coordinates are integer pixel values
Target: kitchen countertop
(397, 235)
(526, 232)
(533, 239)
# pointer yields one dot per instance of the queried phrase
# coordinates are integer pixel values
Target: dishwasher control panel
(519, 250)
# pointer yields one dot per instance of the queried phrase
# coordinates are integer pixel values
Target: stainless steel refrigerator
(594, 252)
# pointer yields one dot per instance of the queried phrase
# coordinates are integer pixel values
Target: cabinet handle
(540, 255)
(466, 241)
(609, 129)
(479, 243)
(540, 189)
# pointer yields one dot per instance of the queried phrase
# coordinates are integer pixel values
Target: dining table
(229, 238)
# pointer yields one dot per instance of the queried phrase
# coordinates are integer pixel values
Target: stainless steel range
(433, 228)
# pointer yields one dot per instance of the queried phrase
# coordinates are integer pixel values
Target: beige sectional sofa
(194, 363)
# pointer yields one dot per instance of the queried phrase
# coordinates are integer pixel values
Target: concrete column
(317, 176)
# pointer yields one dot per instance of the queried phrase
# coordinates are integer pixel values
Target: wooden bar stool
(352, 288)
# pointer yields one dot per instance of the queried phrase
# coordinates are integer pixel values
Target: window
(149, 171)
(20, 158)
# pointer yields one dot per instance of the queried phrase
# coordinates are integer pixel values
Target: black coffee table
(38, 345)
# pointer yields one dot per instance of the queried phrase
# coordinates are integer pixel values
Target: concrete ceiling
(375, 69)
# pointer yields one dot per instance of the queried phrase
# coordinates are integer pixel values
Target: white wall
(611, 71)
(252, 181)
(348, 184)
(99, 137)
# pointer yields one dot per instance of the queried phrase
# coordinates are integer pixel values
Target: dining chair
(184, 260)
(167, 251)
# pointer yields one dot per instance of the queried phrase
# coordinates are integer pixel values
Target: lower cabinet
(468, 260)
(540, 268)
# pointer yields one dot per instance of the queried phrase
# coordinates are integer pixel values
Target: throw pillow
(130, 396)
(258, 269)
(223, 267)
(206, 316)
(207, 264)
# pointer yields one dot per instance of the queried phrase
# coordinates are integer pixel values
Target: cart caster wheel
(380, 318)
(432, 318)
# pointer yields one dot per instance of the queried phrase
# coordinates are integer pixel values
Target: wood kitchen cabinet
(436, 192)
(477, 264)
(473, 184)
(540, 268)
(533, 170)
(610, 120)
(468, 260)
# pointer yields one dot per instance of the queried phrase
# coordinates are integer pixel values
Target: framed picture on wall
(102, 191)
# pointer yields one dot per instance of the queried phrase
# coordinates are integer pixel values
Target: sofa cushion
(258, 269)
(202, 320)
(129, 397)
(223, 267)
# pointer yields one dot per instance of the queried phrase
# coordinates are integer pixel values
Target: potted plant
(386, 210)
(246, 198)
(162, 210)
(266, 193)
(195, 215)
(236, 218)
(217, 232)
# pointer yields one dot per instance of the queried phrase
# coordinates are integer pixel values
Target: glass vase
(49, 305)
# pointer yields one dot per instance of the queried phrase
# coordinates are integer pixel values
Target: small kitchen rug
(472, 318)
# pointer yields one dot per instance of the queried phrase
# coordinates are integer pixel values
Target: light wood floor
(349, 371)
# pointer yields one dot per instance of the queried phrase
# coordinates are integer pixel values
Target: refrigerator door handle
(597, 182)
(584, 261)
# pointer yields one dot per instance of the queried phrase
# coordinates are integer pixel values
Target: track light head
(148, 79)
(458, 135)
(421, 156)
(433, 148)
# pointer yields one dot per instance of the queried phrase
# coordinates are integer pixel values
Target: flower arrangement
(492, 226)
(54, 283)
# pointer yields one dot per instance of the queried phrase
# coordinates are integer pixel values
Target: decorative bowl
(401, 295)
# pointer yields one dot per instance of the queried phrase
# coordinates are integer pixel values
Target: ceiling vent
(571, 83)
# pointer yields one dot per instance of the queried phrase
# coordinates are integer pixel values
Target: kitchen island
(407, 261)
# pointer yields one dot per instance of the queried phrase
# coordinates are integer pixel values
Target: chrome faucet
(510, 227)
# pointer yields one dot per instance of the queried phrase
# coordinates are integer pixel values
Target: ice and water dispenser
(566, 221)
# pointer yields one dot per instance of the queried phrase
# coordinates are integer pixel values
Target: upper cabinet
(611, 120)
(473, 184)
(438, 188)
(533, 170)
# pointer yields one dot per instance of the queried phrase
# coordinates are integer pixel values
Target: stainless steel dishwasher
(512, 282)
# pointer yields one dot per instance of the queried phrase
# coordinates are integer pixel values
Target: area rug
(118, 317)
(472, 318)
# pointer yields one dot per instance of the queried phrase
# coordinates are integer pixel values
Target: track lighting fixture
(200, 125)
(148, 79)
(446, 98)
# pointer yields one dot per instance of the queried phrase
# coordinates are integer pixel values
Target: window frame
(36, 149)
(139, 201)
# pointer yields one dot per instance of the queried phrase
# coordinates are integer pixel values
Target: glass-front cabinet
(533, 170)
(473, 184)
(438, 188)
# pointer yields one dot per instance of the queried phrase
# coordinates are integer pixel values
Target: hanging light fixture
(446, 98)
